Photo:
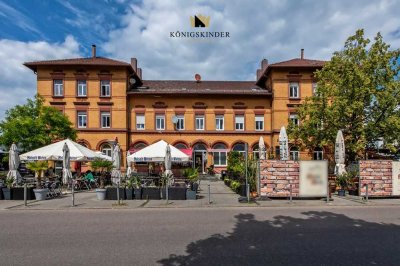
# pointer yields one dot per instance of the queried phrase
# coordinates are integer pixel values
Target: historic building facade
(108, 101)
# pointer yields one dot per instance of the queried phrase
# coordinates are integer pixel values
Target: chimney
(139, 72)
(93, 50)
(134, 64)
(258, 74)
(264, 64)
(302, 53)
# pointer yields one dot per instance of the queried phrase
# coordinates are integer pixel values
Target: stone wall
(276, 177)
(378, 176)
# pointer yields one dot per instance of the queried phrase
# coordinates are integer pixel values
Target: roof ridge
(76, 58)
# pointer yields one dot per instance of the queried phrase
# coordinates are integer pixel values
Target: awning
(188, 152)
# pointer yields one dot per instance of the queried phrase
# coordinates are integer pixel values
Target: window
(82, 91)
(294, 153)
(239, 122)
(105, 119)
(106, 149)
(180, 146)
(82, 119)
(58, 87)
(140, 122)
(219, 122)
(256, 151)
(160, 122)
(219, 154)
(318, 154)
(314, 88)
(105, 90)
(180, 125)
(294, 90)
(200, 122)
(259, 122)
(139, 146)
(294, 119)
(239, 147)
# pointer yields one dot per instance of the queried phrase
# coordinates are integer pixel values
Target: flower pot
(151, 193)
(195, 187)
(101, 193)
(129, 193)
(6, 193)
(17, 193)
(137, 193)
(191, 195)
(175, 193)
(111, 193)
(243, 191)
(41, 193)
(341, 192)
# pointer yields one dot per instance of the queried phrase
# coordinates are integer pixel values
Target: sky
(121, 29)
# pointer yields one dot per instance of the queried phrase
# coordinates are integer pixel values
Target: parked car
(24, 171)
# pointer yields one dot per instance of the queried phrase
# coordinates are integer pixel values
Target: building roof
(293, 63)
(177, 87)
(83, 61)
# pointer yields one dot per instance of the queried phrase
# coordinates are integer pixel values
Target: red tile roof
(88, 61)
(204, 87)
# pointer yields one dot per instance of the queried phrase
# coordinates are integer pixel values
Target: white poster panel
(395, 178)
(313, 179)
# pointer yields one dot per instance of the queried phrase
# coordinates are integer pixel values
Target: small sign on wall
(313, 178)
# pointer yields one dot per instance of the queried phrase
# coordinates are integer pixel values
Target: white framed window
(82, 88)
(318, 154)
(199, 122)
(82, 119)
(219, 122)
(58, 87)
(105, 119)
(140, 122)
(105, 88)
(106, 149)
(239, 122)
(314, 88)
(294, 118)
(220, 155)
(294, 90)
(294, 153)
(180, 124)
(259, 122)
(160, 122)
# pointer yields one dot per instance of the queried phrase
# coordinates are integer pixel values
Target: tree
(34, 125)
(103, 167)
(358, 91)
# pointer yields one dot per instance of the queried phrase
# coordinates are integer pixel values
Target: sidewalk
(220, 196)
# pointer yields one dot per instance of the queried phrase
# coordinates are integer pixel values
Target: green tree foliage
(34, 125)
(236, 164)
(358, 92)
(103, 167)
(38, 167)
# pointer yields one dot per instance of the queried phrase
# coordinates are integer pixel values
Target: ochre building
(108, 101)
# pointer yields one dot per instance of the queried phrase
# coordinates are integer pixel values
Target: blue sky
(121, 29)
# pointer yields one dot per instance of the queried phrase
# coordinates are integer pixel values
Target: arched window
(106, 149)
(181, 146)
(318, 154)
(83, 144)
(139, 146)
(256, 151)
(294, 153)
(240, 147)
(219, 154)
(199, 147)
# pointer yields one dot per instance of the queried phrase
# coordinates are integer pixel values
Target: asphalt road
(215, 236)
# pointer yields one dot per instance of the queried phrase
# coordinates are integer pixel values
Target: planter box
(151, 193)
(137, 193)
(175, 193)
(129, 193)
(17, 193)
(1, 193)
(195, 187)
(111, 193)
(341, 192)
(243, 191)
(6, 193)
(191, 195)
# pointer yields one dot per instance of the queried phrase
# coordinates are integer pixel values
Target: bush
(235, 186)
(236, 165)
(227, 182)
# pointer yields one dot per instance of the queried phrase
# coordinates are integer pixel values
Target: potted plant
(39, 167)
(7, 189)
(102, 166)
(130, 183)
(137, 187)
(343, 181)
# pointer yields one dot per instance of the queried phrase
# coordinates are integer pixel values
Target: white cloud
(275, 30)
(17, 81)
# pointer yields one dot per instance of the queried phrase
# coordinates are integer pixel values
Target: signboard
(313, 179)
(395, 178)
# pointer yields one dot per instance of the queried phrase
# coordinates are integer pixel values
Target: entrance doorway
(200, 157)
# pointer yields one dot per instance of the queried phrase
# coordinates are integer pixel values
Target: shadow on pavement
(320, 238)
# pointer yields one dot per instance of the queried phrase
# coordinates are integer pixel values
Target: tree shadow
(321, 238)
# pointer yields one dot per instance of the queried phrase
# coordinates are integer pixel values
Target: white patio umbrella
(168, 166)
(283, 144)
(116, 158)
(54, 152)
(67, 175)
(129, 168)
(13, 163)
(340, 167)
(103, 156)
(156, 153)
(261, 148)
